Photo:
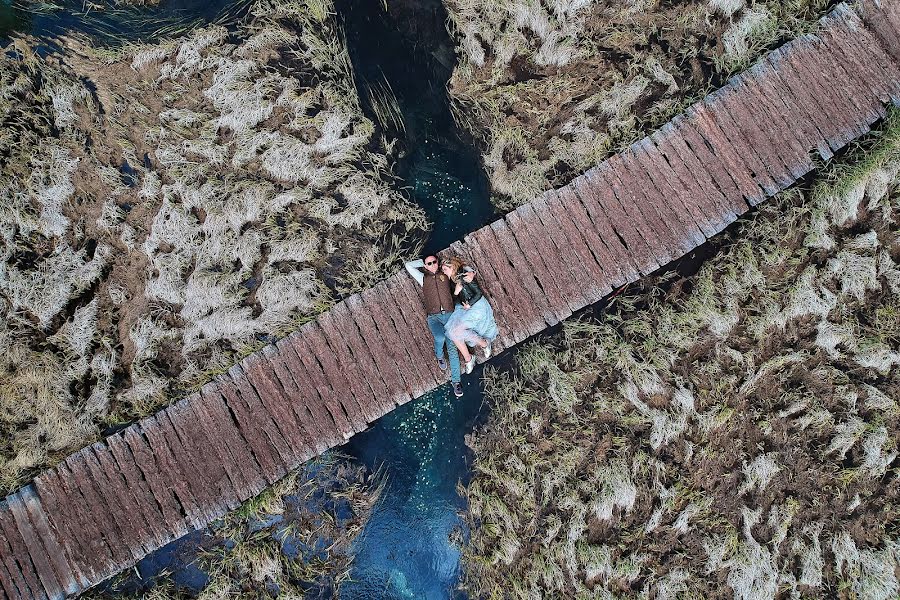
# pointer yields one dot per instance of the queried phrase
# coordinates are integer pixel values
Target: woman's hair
(456, 262)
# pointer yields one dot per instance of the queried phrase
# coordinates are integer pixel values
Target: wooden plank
(317, 398)
(837, 127)
(695, 189)
(610, 218)
(860, 83)
(801, 107)
(271, 417)
(781, 135)
(65, 521)
(69, 577)
(342, 419)
(652, 172)
(169, 468)
(128, 531)
(645, 222)
(205, 438)
(705, 137)
(96, 555)
(749, 139)
(259, 375)
(829, 79)
(523, 272)
(256, 429)
(314, 338)
(881, 57)
(412, 330)
(571, 249)
(377, 329)
(391, 327)
(355, 356)
(559, 255)
(150, 468)
(511, 318)
(50, 580)
(883, 18)
(105, 516)
(703, 212)
(337, 358)
(736, 142)
(672, 223)
(118, 460)
(232, 440)
(556, 285)
(526, 318)
(19, 554)
(217, 439)
(865, 56)
(11, 579)
(323, 433)
(609, 253)
(193, 468)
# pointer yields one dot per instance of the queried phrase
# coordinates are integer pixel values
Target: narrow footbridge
(107, 506)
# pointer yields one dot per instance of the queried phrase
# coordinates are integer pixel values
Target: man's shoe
(457, 389)
(487, 351)
(470, 365)
(442, 363)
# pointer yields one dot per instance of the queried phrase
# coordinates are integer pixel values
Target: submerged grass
(549, 89)
(733, 434)
(169, 208)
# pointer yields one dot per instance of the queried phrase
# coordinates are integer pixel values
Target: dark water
(405, 550)
(109, 24)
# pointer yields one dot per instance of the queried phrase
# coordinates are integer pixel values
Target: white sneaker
(470, 365)
(487, 352)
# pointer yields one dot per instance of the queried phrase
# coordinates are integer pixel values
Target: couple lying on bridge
(457, 311)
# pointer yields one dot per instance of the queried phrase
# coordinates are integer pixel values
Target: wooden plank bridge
(108, 505)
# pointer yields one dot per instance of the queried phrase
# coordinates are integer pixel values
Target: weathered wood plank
(40, 559)
(298, 345)
(19, 554)
(69, 577)
(255, 428)
(608, 250)
(612, 220)
(572, 251)
(374, 329)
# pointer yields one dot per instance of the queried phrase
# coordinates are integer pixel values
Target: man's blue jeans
(436, 325)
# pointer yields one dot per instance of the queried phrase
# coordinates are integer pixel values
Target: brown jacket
(438, 293)
(437, 288)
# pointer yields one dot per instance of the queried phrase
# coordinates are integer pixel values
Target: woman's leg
(463, 350)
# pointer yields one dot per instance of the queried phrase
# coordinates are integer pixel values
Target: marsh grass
(231, 190)
(549, 89)
(730, 434)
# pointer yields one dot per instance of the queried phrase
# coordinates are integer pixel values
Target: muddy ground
(731, 434)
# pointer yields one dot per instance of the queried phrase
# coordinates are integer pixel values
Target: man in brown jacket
(438, 295)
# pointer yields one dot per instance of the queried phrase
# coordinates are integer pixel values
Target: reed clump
(169, 208)
(732, 434)
(292, 541)
(549, 89)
